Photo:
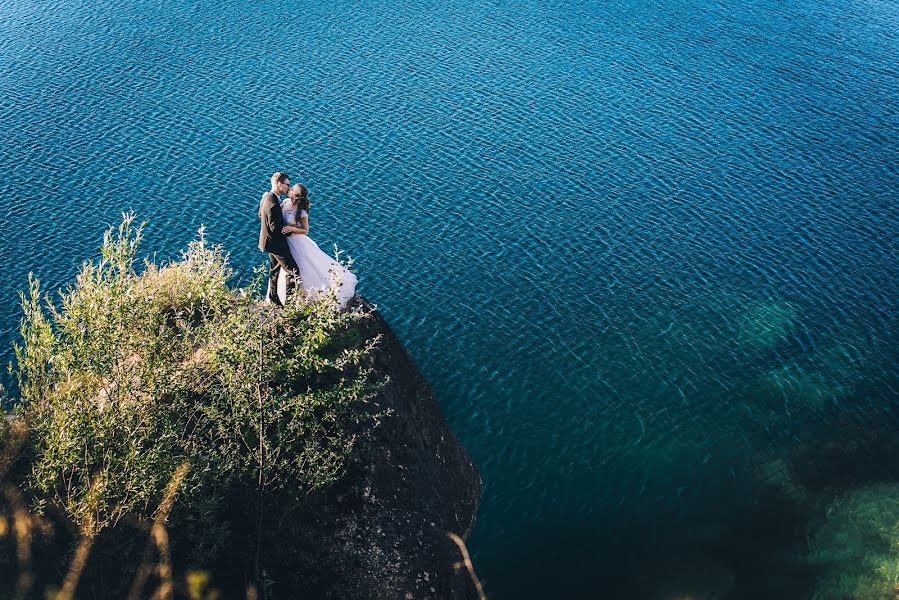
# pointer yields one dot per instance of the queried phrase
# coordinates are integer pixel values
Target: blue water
(634, 245)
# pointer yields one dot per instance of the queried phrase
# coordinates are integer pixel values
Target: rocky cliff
(381, 532)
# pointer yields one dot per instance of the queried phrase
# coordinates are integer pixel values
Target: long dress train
(319, 273)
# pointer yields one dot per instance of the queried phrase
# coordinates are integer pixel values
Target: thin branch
(260, 391)
(70, 583)
(466, 562)
(159, 538)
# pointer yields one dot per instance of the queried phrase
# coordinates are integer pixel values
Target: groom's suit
(274, 242)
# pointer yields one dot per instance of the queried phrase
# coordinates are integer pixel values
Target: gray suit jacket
(271, 239)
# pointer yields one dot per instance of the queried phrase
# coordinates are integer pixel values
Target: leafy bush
(132, 374)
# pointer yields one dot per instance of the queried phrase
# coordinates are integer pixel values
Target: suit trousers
(280, 263)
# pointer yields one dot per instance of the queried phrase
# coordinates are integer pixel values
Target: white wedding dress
(318, 272)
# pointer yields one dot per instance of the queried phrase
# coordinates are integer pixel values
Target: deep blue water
(637, 247)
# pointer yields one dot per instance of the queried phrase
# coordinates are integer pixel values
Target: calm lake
(645, 252)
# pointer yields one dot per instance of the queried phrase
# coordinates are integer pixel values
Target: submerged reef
(841, 487)
(857, 546)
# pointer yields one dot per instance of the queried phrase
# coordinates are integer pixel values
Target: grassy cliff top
(144, 382)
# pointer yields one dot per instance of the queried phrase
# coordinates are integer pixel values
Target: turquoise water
(638, 248)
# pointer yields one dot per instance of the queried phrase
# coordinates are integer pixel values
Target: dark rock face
(381, 532)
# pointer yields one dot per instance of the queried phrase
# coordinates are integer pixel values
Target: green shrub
(131, 374)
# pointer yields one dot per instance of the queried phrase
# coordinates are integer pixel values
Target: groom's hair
(280, 177)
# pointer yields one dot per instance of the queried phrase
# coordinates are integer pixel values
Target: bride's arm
(296, 229)
(305, 228)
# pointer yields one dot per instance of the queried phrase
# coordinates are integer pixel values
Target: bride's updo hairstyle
(300, 196)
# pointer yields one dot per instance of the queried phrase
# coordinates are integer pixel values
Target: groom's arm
(276, 219)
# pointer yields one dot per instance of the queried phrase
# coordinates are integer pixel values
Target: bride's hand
(289, 229)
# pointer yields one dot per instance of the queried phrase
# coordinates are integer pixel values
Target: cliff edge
(175, 437)
(381, 531)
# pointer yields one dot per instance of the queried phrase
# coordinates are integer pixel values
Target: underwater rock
(847, 456)
(793, 386)
(815, 380)
(765, 324)
(857, 546)
(774, 477)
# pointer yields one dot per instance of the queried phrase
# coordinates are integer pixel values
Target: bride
(318, 271)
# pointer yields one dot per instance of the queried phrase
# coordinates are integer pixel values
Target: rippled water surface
(639, 248)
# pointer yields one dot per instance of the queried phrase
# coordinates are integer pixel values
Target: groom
(273, 241)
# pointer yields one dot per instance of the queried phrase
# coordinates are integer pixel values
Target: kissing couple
(294, 258)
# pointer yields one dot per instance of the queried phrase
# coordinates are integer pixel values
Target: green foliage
(132, 374)
(858, 544)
